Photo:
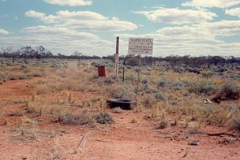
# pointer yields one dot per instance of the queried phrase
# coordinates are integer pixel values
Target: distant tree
(133, 61)
(27, 52)
(110, 57)
(77, 54)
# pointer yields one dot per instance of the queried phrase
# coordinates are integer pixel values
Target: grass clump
(16, 113)
(163, 124)
(213, 115)
(236, 124)
(177, 85)
(117, 110)
(149, 101)
(207, 74)
(145, 80)
(103, 118)
(75, 119)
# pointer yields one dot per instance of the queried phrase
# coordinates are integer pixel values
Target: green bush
(177, 85)
(149, 89)
(202, 88)
(159, 96)
(179, 69)
(229, 90)
(162, 83)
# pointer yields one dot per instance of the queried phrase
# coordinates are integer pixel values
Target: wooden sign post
(116, 56)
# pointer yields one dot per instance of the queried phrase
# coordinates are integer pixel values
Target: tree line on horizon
(40, 52)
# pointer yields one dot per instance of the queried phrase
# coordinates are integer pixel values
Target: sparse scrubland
(50, 99)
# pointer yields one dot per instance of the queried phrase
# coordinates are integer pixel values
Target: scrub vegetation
(70, 92)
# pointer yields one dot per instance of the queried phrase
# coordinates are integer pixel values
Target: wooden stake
(123, 70)
(116, 57)
(138, 81)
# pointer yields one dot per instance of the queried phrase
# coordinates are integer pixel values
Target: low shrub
(75, 119)
(149, 89)
(117, 110)
(202, 88)
(207, 74)
(162, 83)
(145, 80)
(16, 113)
(177, 85)
(23, 77)
(159, 96)
(103, 118)
(26, 70)
(229, 90)
(179, 69)
(149, 101)
(13, 78)
(109, 80)
(194, 70)
(236, 123)
(163, 124)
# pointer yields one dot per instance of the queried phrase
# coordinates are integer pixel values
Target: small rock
(193, 143)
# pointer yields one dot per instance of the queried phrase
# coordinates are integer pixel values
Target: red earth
(131, 137)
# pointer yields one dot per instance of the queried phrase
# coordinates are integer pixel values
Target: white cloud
(177, 16)
(83, 20)
(60, 40)
(2, 31)
(80, 15)
(186, 33)
(205, 31)
(233, 12)
(212, 3)
(70, 2)
(57, 32)
(163, 47)
(34, 14)
(222, 28)
(108, 25)
(196, 40)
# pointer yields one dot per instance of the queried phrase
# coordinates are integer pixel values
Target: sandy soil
(126, 139)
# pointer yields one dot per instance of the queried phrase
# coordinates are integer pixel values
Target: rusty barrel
(101, 71)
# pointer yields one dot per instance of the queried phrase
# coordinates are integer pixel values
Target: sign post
(116, 56)
(140, 46)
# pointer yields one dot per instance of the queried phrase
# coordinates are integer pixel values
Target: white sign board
(140, 46)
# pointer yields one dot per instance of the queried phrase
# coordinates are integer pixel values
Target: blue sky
(179, 27)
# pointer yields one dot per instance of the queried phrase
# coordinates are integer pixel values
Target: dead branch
(83, 139)
(222, 133)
